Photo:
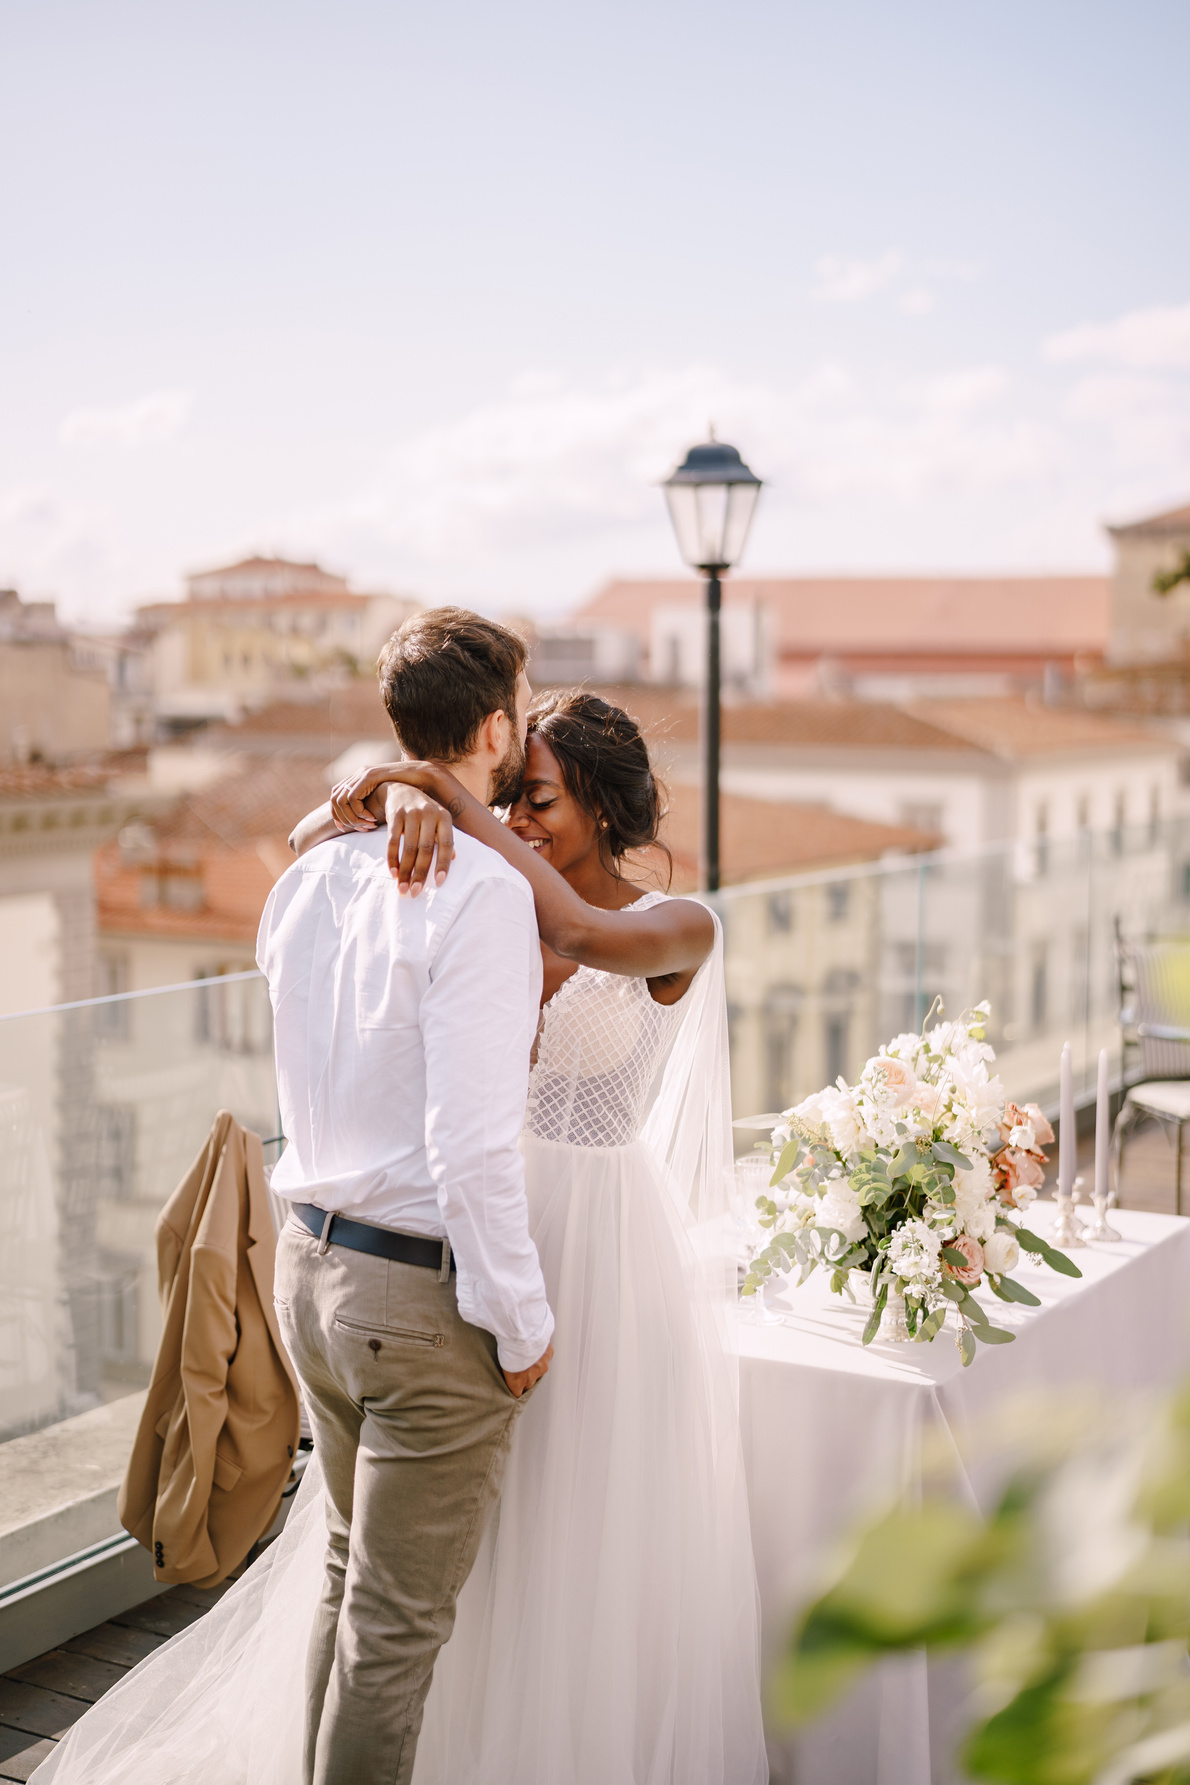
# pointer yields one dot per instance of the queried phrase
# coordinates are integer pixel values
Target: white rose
(839, 1113)
(840, 1209)
(1001, 1253)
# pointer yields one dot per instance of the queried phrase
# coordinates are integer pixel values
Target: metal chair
(1155, 1021)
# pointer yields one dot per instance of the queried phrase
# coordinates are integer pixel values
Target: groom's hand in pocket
(520, 1380)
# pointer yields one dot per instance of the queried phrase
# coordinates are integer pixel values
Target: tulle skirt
(608, 1634)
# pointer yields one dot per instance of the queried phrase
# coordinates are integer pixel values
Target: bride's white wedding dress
(608, 1634)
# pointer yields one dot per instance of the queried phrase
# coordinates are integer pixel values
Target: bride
(608, 1634)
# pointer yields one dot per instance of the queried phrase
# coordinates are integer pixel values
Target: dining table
(834, 1431)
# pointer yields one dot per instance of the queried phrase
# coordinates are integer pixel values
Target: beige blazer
(217, 1437)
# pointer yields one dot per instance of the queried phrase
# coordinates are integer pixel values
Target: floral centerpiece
(911, 1178)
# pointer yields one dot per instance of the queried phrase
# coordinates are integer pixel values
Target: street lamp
(711, 500)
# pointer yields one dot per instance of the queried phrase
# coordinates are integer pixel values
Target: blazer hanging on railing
(219, 1430)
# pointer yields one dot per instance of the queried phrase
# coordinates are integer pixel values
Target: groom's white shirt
(403, 1029)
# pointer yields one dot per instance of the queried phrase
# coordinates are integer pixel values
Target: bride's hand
(417, 828)
(349, 807)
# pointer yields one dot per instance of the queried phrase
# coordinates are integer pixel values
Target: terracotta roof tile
(1007, 727)
(264, 800)
(351, 712)
(922, 616)
(37, 781)
(761, 839)
(1158, 526)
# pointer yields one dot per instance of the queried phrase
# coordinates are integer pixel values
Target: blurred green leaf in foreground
(1072, 1599)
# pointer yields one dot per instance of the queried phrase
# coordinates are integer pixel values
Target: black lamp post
(712, 497)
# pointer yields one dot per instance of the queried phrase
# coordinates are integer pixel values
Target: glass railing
(105, 1105)
(822, 968)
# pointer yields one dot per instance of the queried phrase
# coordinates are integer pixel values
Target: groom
(408, 1289)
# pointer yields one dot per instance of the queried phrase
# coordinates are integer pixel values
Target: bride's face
(547, 816)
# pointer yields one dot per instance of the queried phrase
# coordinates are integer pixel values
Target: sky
(437, 295)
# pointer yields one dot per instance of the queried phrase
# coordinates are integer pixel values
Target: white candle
(1066, 1138)
(1102, 1127)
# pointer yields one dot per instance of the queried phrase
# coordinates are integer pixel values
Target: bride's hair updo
(605, 765)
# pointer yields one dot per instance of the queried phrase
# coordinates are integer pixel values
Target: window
(1119, 819)
(838, 996)
(1039, 985)
(119, 1313)
(836, 1030)
(115, 1149)
(779, 1017)
(922, 815)
(1041, 831)
(111, 978)
(780, 913)
(1079, 975)
(838, 900)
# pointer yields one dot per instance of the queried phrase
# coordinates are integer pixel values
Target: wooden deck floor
(39, 1701)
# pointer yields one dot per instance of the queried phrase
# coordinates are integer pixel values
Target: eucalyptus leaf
(1057, 1261)
(994, 1335)
(967, 1347)
(873, 1323)
(1009, 1290)
(955, 1257)
(932, 1325)
(787, 1161)
(949, 1155)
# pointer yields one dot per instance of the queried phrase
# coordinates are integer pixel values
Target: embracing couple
(520, 1555)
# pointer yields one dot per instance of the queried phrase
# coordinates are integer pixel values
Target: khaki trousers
(412, 1422)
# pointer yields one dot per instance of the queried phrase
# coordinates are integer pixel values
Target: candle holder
(1100, 1228)
(1067, 1230)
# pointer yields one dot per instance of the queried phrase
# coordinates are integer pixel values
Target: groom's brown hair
(442, 673)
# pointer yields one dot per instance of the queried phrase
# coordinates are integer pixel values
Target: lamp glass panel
(711, 520)
(741, 506)
(683, 512)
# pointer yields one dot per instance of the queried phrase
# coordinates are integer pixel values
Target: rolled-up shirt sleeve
(478, 1019)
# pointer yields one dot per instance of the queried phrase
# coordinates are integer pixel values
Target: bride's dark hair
(605, 765)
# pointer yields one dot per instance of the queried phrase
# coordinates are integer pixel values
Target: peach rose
(973, 1252)
(900, 1080)
(1020, 1171)
(1041, 1127)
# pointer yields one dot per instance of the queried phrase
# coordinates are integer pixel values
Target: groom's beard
(508, 775)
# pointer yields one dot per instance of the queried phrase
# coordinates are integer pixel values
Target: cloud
(147, 421)
(559, 474)
(850, 281)
(1157, 338)
(919, 301)
(51, 545)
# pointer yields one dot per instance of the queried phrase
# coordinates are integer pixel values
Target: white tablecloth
(832, 1430)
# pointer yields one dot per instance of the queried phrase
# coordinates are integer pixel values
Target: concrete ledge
(66, 1563)
(49, 1607)
(58, 1487)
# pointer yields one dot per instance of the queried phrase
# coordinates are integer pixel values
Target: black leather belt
(381, 1242)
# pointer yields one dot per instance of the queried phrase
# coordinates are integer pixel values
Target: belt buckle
(444, 1270)
(325, 1236)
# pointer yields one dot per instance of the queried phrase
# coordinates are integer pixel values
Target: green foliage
(1057, 1261)
(1073, 1599)
(1009, 1290)
(1166, 581)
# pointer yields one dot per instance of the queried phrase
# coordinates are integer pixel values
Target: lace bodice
(602, 1041)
